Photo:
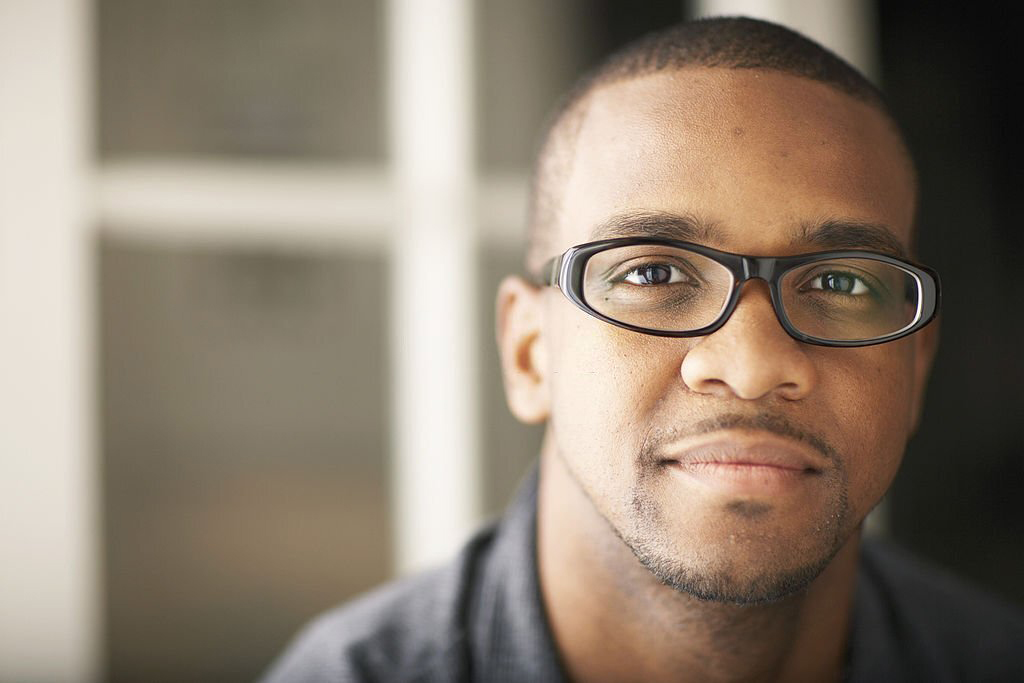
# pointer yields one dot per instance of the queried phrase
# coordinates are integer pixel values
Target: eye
(654, 274)
(839, 283)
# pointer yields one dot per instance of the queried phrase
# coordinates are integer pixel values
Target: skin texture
(651, 574)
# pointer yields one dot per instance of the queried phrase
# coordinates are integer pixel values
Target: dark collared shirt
(481, 618)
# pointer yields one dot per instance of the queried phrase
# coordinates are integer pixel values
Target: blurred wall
(50, 622)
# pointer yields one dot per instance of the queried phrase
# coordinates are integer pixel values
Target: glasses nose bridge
(759, 267)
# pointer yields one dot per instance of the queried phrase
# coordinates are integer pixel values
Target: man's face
(734, 465)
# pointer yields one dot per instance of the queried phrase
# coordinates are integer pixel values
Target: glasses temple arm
(549, 271)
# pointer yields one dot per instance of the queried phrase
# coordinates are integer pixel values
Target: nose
(751, 356)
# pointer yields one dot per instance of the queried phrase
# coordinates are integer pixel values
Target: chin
(737, 574)
(742, 553)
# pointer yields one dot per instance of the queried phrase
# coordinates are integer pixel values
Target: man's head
(729, 43)
(733, 465)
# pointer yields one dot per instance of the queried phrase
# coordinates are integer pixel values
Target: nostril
(707, 386)
(791, 391)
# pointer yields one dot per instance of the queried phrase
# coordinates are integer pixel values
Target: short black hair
(725, 42)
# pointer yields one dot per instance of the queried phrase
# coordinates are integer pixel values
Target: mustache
(768, 422)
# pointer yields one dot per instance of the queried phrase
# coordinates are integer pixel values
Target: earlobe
(520, 345)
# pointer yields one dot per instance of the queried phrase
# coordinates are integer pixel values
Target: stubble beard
(719, 575)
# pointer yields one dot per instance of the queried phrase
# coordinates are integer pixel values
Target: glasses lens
(656, 287)
(850, 299)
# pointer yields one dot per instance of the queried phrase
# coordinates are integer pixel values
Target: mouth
(745, 463)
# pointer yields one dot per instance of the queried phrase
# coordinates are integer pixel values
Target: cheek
(605, 385)
(870, 394)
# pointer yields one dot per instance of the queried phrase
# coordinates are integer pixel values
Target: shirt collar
(509, 630)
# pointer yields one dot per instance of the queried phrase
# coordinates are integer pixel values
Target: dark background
(949, 75)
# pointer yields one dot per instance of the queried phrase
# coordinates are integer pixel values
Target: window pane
(275, 78)
(245, 479)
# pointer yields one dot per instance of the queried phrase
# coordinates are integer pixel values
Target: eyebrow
(686, 228)
(847, 234)
(830, 234)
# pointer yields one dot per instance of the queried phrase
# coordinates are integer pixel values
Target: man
(729, 375)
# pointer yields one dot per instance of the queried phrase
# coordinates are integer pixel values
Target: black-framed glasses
(671, 288)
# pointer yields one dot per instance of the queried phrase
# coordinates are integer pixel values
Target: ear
(524, 364)
(926, 344)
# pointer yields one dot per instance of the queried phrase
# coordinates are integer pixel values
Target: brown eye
(839, 283)
(654, 274)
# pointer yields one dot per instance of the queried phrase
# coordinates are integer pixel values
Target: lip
(750, 463)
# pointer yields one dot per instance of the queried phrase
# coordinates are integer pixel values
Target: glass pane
(657, 287)
(277, 78)
(245, 476)
(850, 299)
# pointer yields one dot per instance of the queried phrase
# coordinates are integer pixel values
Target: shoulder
(944, 621)
(412, 630)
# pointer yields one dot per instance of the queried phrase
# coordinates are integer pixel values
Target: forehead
(759, 155)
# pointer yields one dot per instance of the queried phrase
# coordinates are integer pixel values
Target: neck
(612, 620)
